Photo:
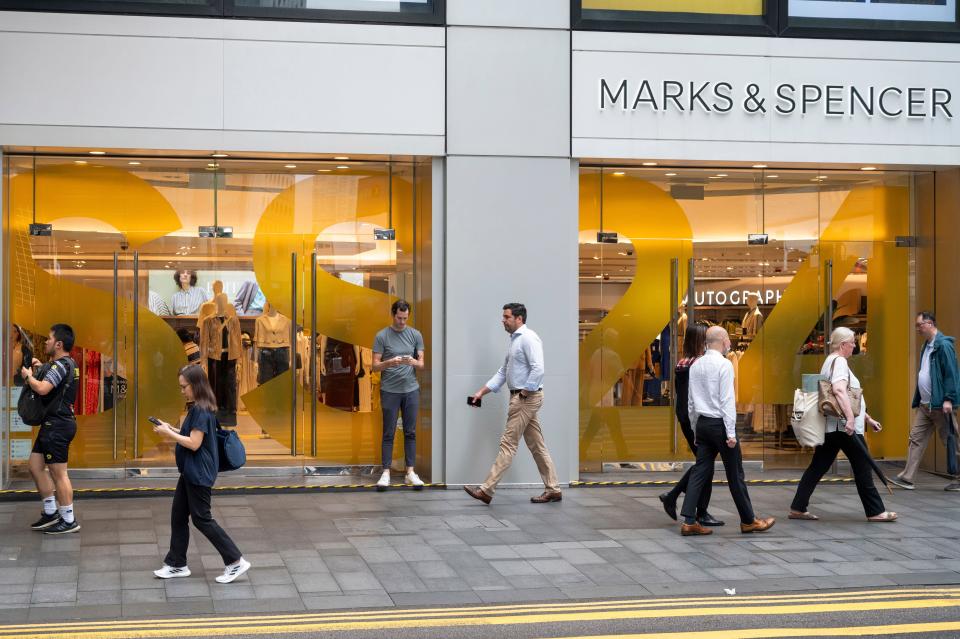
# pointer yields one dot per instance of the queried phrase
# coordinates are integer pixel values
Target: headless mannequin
(271, 337)
(753, 319)
(222, 346)
(208, 309)
(681, 329)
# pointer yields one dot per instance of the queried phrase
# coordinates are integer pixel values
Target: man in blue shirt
(522, 372)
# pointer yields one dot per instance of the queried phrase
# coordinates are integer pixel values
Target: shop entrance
(762, 253)
(273, 275)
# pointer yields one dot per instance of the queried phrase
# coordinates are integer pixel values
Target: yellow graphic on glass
(723, 7)
(133, 208)
(659, 232)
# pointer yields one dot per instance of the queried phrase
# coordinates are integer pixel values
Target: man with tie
(713, 415)
(522, 371)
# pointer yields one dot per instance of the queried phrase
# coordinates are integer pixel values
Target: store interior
(762, 247)
(274, 275)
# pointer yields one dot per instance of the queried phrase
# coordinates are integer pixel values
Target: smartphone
(154, 420)
(474, 402)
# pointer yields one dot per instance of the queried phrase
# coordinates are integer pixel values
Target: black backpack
(30, 404)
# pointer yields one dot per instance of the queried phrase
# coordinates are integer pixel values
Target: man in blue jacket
(934, 399)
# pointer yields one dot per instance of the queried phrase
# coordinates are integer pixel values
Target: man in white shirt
(522, 372)
(713, 416)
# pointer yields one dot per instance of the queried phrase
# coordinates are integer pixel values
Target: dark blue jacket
(943, 372)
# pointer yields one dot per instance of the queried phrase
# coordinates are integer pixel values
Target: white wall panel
(541, 14)
(511, 232)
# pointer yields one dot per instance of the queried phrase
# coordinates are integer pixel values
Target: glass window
(159, 7)
(756, 17)
(874, 18)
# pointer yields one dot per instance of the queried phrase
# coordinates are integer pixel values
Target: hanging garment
(340, 380)
(91, 387)
(223, 378)
(221, 333)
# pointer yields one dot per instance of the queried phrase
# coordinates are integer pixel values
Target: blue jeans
(404, 404)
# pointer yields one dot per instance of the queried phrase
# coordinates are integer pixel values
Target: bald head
(718, 339)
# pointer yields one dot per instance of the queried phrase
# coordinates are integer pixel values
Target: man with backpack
(56, 385)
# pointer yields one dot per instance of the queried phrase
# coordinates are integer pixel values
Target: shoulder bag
(230, 451)
(829, 406)
(809, 425)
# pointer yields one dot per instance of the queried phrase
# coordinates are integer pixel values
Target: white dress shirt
(711, 391)
(523, 366)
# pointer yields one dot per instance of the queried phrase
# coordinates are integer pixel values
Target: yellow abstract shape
(353, 314)
(39, 299)
(659, 232)
(864, 226)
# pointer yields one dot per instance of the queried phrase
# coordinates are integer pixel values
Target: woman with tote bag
(842, 434)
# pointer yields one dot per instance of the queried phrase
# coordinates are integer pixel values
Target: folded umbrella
(862, 442)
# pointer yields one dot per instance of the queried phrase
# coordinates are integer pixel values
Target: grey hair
(840, 335)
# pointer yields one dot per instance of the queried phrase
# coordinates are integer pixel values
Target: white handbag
(809, 425)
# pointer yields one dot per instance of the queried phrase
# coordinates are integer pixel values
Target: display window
(778, 258)
(273, 275)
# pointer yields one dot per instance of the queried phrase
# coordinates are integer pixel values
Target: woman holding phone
(197, 461)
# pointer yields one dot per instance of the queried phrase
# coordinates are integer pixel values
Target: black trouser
(271, 362)
(712, 439)
(223, 378)
(406, 404)
(193, 502)
(823, 457)
(683, 484)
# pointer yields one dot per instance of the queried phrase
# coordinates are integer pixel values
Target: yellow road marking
(193, 629)
(779, 633)
(665, 604)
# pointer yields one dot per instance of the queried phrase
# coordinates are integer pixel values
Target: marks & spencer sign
(784, 99)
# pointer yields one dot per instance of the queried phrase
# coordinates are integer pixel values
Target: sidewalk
(333, 551)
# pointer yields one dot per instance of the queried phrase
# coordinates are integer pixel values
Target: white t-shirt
(842, 373)
(923, 377)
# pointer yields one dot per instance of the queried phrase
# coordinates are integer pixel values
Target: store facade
(623, 184)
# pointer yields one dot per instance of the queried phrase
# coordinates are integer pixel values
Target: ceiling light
(771, 177)
(289, 166)
(324, 170)
(219, 155)
(76, 246)
(79, 161)
(213, 165)
(729, 268)
(713, 177)
(133, 163)
(343, 166)
(868, 168)
(341, 157)
(619, 173)
(97, 152)
(670, 174)
(649, 164)
(721, 175)
(759, 166)
(595, 257)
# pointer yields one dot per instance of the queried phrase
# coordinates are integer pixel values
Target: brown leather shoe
(477, 493)
(695, 528)
(547, 496)
(758, 525)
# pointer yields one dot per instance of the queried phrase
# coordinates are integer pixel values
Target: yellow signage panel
(727, 7)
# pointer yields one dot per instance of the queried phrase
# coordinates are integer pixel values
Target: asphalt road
(899, 612)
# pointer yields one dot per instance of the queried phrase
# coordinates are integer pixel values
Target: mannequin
(221, 344)
(208, 309)
(271, 337)
(753, 319)
(187, 300)
(681, 328)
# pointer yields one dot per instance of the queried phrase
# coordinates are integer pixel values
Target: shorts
(53, 441)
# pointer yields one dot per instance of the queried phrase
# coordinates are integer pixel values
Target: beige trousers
(522, 420)
(925, 421)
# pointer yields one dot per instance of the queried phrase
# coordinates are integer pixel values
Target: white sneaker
(233, 571)
(414, 480)
(384, 480)
(169, 572)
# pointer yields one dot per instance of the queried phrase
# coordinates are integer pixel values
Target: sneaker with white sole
(169, 572)
(233, 571)
(384, 482)
(414, 480)
(952, 487)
